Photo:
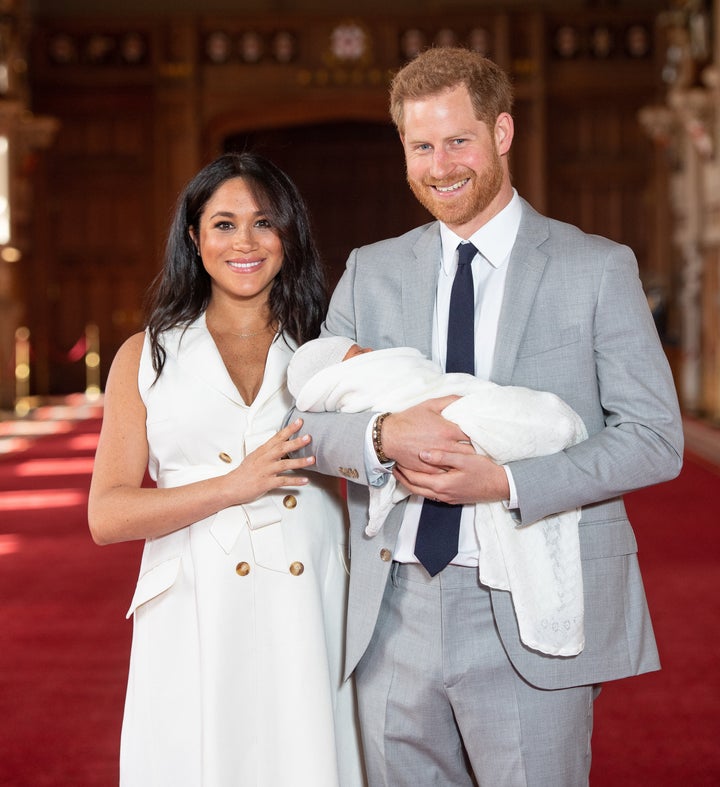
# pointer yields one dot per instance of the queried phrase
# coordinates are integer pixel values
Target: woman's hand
(265, 468)
(121, 508)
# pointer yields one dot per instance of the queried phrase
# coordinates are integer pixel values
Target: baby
(509, 422)
(539, 564)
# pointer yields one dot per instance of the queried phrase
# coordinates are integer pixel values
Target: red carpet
(661, 729)
(64, 641)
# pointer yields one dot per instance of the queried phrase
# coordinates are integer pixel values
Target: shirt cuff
(512, 503)
(377, 472)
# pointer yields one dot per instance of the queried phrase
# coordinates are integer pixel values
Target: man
(448, 692)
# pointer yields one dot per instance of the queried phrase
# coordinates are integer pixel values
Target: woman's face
(240, 250)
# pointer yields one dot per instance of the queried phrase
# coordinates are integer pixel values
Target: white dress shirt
(494, 242)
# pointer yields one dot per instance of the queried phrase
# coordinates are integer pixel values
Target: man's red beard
(479, 193)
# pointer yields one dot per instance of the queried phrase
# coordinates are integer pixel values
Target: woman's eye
(224, 225)
(263, 223)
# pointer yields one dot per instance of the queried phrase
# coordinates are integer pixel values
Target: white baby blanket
(539, 564)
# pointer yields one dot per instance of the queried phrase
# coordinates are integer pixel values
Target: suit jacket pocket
(543, 361)
(549, 342)
(607, 538)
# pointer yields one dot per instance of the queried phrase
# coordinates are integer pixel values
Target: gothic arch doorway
(352, 175)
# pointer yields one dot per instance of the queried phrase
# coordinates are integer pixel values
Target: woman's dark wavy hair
(181, 292)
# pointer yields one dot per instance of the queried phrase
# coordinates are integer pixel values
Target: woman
(235, 671)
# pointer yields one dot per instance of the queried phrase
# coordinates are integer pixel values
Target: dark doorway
(352, 175)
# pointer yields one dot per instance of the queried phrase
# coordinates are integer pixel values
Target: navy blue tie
(439, 526)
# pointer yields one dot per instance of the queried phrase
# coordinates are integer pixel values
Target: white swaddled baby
(539, 564)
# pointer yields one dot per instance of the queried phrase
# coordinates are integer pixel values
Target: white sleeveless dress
(236, 664)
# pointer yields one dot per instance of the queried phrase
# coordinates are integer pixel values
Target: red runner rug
(661, 729)
(64, 640)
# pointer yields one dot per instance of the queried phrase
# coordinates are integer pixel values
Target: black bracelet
(377, 438)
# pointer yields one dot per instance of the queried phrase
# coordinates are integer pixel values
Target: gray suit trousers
(440, 701)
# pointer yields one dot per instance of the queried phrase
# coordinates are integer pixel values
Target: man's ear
(504, 133)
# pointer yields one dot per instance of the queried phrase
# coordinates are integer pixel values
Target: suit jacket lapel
(525, 269)
(419, 285)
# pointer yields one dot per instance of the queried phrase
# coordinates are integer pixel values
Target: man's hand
(408, 432)
(434, 457)
(456, 478)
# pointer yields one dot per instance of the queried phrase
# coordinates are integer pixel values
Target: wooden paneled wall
(143, 103)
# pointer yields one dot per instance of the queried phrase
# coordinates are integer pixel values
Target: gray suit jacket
(574, 321)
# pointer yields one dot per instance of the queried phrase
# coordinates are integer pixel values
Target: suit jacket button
(289, 501)
(225, 457)
(385, 555)
(243, 569)
(296, 568)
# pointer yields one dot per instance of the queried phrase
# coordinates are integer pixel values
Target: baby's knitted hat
(314, 356)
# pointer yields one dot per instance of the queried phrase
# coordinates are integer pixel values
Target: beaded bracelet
(377, 438)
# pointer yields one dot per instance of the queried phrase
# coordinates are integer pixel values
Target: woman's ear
(191, 233)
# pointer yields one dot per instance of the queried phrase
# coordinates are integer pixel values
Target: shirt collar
(493, 240)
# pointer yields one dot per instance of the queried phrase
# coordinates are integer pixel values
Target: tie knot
(466, 252)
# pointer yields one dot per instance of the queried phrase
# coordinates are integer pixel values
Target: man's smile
(454, 187)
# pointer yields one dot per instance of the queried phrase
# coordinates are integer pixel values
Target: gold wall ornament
(350, 44)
